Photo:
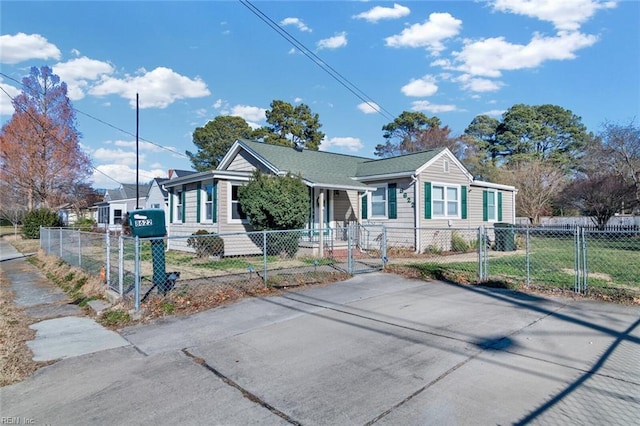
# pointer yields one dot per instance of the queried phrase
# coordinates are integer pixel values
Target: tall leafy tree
(414, 132)
(215, 138)
(481, 147)
(289, 125)
(545, 132)
(40, 154)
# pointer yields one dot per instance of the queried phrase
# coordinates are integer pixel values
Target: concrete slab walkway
(62, 328)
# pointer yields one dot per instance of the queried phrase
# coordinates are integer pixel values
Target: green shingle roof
(396, 165)
(318, 167)
(336, 169)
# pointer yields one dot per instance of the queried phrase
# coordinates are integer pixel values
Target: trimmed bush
(34, 219)
(206, 243)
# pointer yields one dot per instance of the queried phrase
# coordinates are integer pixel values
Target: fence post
(79, 249)
(120, 264)
(107, 272)
(585, 267)
(136, 273)
(60, 240)
(264, 257)
(349, 251)
(480, 243)
(576, 267)
(384, 247)
(527, 258)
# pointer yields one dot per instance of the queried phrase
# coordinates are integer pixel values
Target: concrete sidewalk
(62, 328)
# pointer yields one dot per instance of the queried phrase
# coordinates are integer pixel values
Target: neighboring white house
(110, 213)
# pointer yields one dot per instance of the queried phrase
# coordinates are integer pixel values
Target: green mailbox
(147, 223)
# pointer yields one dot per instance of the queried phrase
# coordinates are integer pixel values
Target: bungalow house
(117, 202)
(425, 189)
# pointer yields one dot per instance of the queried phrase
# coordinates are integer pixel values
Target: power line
(351, 87)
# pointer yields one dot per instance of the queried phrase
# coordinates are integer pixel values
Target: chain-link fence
(195, 267)
(84, 250)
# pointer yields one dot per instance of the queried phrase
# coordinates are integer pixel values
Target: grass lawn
(611, 263)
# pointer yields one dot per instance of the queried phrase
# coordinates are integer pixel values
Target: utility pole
(137, 153)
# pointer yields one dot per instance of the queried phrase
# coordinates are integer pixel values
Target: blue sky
(192, 61)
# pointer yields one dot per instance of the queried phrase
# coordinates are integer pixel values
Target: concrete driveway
(377, 348)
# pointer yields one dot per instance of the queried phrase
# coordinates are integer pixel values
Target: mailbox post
(149, 223)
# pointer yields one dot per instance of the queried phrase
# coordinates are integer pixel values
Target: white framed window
(492, 206)
(445, 200)
(179, 209)
(208, 202)
(235, 215)
(117, 216)
(379, 203)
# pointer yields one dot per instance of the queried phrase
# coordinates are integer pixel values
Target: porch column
(321, 221)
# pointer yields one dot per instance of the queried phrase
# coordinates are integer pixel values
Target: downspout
(321, 221)
(416, 210)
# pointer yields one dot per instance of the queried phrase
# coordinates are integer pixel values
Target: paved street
(377, 348)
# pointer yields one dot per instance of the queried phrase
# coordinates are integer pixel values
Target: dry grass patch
(78, 285)
(22, 245)
(15, 356)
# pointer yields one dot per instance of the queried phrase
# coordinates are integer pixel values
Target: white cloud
(218, 104)
(22, 47)
(122, 174)
(158, 88)
(369, 107)
(77, 73)
(494, 112)
(564, 15)
(430, 34)
(6, 107)
(120, 156)
(379, 12)
(488, 57)
(297, 100)
(344, 143)
(335, 42)
(297, 22)
(432, 108)
(144, 146)
(421, 87)
(475, 84)
(249, 113)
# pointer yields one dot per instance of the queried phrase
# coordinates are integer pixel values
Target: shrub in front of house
(458, 243)
(206, 243)
(34, 219)
(276, 203)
